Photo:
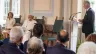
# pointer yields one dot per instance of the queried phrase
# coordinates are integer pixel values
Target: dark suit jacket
(59, 49)
(6, 41)
(1, 43)
(25, 47)
(10, 48)
(88, 22)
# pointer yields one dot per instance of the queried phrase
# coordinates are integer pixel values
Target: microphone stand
(73, 15)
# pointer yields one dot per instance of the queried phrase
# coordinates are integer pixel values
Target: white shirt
(28, 25)
(10, 23)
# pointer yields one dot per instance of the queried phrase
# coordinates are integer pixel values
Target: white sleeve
(24, 25)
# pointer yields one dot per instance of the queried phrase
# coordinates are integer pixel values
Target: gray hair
(35, 46)
(16, 33)
(87, 2)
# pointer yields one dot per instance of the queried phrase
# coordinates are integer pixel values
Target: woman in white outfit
(28, 27)
(10, 21)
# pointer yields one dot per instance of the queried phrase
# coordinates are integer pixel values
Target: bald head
(30, 17)
(63, 36)
(63, 32)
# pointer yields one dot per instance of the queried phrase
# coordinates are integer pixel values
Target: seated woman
(10, 21)
(89, 46)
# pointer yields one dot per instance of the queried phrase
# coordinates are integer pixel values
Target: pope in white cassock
(28, 27)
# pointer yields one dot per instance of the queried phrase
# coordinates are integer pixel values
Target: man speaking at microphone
(88, 21)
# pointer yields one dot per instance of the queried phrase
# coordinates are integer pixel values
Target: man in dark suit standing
(16, 35)
(60, 47)
(88, 21)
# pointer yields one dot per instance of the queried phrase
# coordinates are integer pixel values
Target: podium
(74, 35)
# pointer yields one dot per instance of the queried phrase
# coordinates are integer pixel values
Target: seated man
(16, 36)
(28, 27)
(60, 47)
(35, 46)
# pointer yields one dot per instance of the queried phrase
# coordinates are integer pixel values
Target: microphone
(72, 16)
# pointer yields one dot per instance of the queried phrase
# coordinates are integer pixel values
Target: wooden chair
(58, 25)
(18, 23)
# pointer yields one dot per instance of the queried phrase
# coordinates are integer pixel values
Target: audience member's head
(30, 17)
(35, 46)
(10, 15)
(63, 36)
(38, 30)
(92, 38)
(86, 4)
(87, 48)
(16, 35)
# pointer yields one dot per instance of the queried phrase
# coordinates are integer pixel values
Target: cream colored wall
(24, 9)
(50, 20)
(68, 10)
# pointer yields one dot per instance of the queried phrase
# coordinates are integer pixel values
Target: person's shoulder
(87, 44)
(91, 10)
(13, 18)
(55, 49)
(72, 52)
(25, 20)
(25, 43)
